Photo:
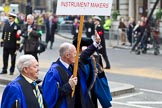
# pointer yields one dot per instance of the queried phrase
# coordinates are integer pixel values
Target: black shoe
(107, 67)
(11, 73)
(3, 72)
(144, 51)
(123, 44)
(138, 52)
(50, 46)
(132, 49)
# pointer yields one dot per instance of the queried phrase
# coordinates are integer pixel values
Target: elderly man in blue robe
(59, 82)
(23, 92)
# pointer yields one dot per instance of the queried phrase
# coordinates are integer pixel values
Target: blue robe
(52, 85)
(100, 88)
(22, 91)
(12, 93)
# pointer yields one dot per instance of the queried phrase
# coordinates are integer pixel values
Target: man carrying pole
(59, 81)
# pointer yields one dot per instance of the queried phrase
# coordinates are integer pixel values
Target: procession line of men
(59, 82)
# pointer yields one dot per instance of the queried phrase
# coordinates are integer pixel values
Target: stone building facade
(127, 8)
(135, 8)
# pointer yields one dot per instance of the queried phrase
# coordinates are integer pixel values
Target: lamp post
(29, 7)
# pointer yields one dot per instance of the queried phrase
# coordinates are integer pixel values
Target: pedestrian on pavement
(107, 25)
(100, 31)
(89, 27)
(122, 29)
(51, 27)
(31, 37)
(75, 28)
(10, 43)
(59, 82)
(24, 92)
(131, 25)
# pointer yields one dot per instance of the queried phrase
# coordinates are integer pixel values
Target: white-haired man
(31, 37)
(59, 82)
(21, 92)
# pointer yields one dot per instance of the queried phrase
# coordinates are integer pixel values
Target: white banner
(84, 7)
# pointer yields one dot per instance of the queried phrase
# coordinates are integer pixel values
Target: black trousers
(94, 99)
(103, 52)
(138, 40)
(6, 53)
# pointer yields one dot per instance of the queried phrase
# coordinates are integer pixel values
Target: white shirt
(11, 23)
(64, 63)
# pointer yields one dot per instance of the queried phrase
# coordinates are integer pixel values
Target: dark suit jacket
(75, 30)
(31, 41)
(50, 31)
(89, 29)
(9, 35)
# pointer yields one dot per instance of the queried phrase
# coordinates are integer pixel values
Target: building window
(54, 6)
(37, 2)
(117, 4)
(145, 7)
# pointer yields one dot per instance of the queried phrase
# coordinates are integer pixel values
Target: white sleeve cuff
(96, 44)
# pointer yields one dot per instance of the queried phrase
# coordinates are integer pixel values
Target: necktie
(38, 95)
(70, 68)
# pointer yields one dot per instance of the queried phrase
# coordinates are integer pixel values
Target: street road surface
(143, 71)
(148, 92)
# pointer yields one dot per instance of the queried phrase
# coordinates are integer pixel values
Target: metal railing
(64, 28)
(112, 36)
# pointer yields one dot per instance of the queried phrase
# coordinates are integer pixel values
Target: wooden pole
(78, 48)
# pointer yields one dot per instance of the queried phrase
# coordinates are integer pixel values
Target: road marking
(2, 86)
(145, 102)
(131, 105)
(127, 96)
(152, 91)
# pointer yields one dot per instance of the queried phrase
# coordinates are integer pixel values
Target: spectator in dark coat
(31, 37)
(100, 31)
(75, 28)
(89, 28)
(51, 26)
(131, 26)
